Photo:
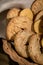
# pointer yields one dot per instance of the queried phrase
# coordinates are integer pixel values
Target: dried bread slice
(38, 26)
(27, 12)
(13, 13)
(17, 24)
(37, 6)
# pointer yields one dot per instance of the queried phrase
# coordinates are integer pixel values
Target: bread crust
(34, 49)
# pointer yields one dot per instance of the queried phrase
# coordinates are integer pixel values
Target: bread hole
(7, 48)
(22, 28)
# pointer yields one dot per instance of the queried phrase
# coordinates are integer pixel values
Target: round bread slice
(17, 24)
(20, 42)
(37, 6)
(39, 16)
(27, 12)
(13, 13)
(38, 26)
(34, 49)
(42, 42)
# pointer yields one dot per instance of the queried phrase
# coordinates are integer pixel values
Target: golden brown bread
(20, 42)
(13, 13)
(13, 55)
(16, 24)
(27, 12)
(37, 6)
(34, 49)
